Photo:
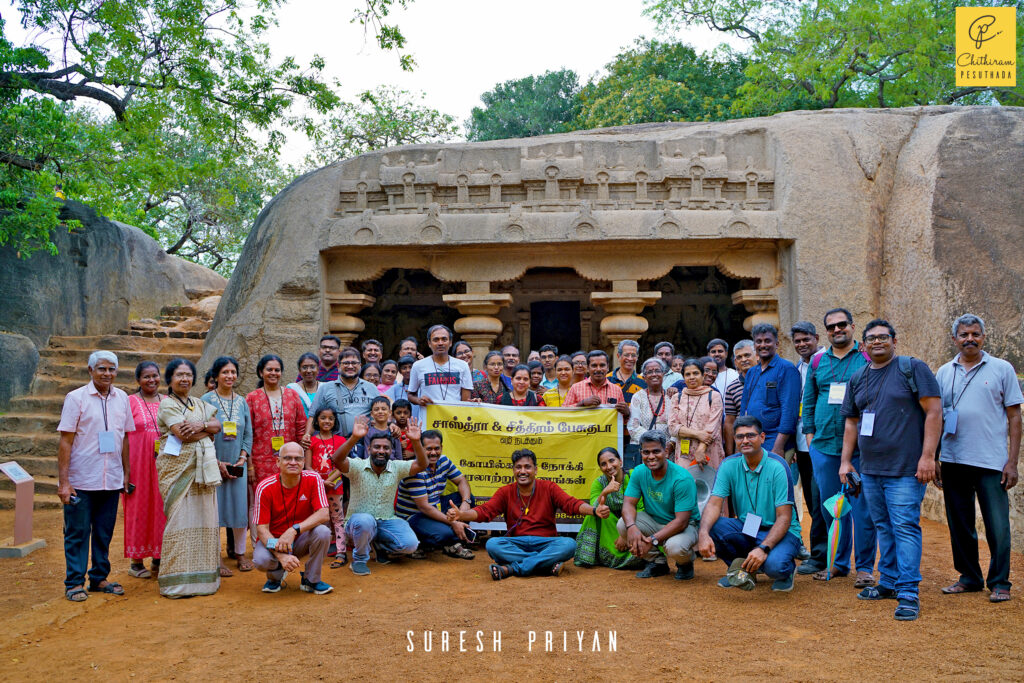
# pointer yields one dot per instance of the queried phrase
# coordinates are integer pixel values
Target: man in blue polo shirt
(771, 391)
(765, 532)
(420, 495)
(981, 401)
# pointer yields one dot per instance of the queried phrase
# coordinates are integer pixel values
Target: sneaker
(724, 582)
(907, 610)
(877, 593)
(785, 584)
(684, 572)
(804, 553)
(739, 577)
(272, 586)
(380, 554)
(809, 568)
(360, 568)
(320, 588)
(653, 569)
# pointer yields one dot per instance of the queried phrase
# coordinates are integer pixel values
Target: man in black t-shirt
(894, 415)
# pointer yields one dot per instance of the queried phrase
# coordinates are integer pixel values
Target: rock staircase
(28, 430)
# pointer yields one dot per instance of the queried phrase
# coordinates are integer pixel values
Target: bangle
(629, 525)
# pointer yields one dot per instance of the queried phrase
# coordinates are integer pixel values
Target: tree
(149, 110)
(522, 108)
(657, 81)
(384, 117)
(840, 53)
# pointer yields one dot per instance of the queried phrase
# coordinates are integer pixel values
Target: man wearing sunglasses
(828, 376)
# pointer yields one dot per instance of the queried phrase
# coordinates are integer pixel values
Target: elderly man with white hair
(92, 461)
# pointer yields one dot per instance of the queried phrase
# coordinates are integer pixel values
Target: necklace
(526, 506)
(439, 371)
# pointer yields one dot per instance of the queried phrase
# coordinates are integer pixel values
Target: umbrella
(837, 507)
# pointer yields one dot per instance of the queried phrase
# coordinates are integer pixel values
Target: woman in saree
(189, 476)
(597, 543)
(491, 388)
(555, 396)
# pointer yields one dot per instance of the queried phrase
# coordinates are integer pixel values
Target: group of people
(338, 461)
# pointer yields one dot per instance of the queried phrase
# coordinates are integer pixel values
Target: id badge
(108, 442)
(156, 447)
(867, 424)
(836, 393)
(684, 447)
(172, 446)
(276, 442)
(949, 422)
(230, 430)
(751, 525)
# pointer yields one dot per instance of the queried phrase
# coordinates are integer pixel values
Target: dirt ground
(665, 629)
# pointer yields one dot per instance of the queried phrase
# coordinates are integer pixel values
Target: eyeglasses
(349, 362)
(871, 338)
(746, 437)
(328, 347)
(841, 325)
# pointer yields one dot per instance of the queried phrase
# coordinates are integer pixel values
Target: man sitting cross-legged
(290, 513)
(765, 533)
(374, 484)
(531, 544)
(669, 519)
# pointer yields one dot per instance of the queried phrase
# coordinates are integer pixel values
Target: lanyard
(439, 370)
(103, 406)
(147, 411)
(696, 404)
(757, 486)
(952, 385)
(231, 406)
(276, 418)
(524, 506)
(834, 365)
(185, 405)
(655, 412)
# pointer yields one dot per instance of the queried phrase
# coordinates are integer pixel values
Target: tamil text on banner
(480, 439)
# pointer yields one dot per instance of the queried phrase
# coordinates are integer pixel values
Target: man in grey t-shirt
(348, 396)
(981, 401)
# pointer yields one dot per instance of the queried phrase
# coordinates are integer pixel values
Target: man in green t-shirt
(765, 533)
(666, 529)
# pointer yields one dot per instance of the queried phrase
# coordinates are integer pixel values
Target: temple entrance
(555, 322)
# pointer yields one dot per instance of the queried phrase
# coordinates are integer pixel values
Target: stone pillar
(762, 303)
(625, 304)
(340, 320)
(478, 326)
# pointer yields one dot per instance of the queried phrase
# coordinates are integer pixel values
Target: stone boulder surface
(20, 361)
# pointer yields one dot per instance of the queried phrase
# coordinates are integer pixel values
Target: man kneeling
(669, 519)
(531, 544)
(765, 533)
(290, 512)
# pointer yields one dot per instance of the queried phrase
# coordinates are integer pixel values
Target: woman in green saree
(598, 540)
(189, 476)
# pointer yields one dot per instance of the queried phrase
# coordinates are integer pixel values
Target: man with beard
(374, 485)
(596, 390)
(327, 368)
(510, 358)
(348, 396)
(719, 350)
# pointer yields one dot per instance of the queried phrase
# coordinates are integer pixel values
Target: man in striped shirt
(420, 495)
(596, 390)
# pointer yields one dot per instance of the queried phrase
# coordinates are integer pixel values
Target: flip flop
(499, 572)
(999, 595)
(110, 587)
(958, 588)
(225, 572)
(76, 594)
(864, 579)
(140, 572)
(244, 565)
(557, 569)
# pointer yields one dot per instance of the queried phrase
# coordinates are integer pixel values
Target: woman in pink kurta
(144, 509)
(277, 413)
(696, 419)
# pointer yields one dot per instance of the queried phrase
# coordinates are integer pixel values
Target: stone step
(43, 403)
(41, 500)
(164, 335)
(37, 466)
(50, 384)
(78, 358)
(18, 445)
(124, 342)
(28, 423)
(125, 373)
(44, 484)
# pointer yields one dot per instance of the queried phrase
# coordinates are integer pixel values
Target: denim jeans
(431, 532)
(895, 504)
(960, 485)
(530, 554)
(730, 543)
(858, 537)
(812, 497)
(393, 535)
(89, 523)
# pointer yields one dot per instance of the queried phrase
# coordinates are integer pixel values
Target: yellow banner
(480, 438)
(986, 46)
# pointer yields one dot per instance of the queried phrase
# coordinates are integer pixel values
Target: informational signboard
(15, 472)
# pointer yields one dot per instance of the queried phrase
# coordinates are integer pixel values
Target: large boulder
(20, 361)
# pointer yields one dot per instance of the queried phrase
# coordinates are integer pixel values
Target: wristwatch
(298, 529)
(655, 542)
(271, 544)
(765, 549)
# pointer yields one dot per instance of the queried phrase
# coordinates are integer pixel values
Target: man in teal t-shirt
(765, 531)
(666, 529)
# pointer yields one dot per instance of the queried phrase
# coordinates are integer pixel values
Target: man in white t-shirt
(719, 350)
(438, 378)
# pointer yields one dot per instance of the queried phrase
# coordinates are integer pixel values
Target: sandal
(458, 551)
(959, 587)
(864, 579)
(999, 595)
(107, 587)
(500, 571)
(76, 594)
(225, 572)
(557, 569)
(340, 562)
(244, 564)
(140, 572)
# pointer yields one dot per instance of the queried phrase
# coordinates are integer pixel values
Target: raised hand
(361, 427)
(413, 431)
(453, 512)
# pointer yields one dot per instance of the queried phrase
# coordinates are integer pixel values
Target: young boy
(401, 411)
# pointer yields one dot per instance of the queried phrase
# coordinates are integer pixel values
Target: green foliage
(525, 107)
(384, 117)
(841, 53)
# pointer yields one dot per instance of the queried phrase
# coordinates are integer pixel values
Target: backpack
(816, 360)
(905, 365)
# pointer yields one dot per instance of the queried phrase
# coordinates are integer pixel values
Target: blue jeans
(730, 543)
(526, 555)
(393, 535)
(895, 504)
(859, 537)
(432, 532)
(90, 523)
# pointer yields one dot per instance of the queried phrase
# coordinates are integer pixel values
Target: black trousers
(819, 529)
(961, 484)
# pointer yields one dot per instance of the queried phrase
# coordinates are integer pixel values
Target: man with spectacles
(894, 416)
(348, 396)
(981, 401)
(765, 532)
(327, 370)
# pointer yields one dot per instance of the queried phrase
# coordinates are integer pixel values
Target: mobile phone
(470, 535)
(235, 470)
(130, 489)
(73, 500)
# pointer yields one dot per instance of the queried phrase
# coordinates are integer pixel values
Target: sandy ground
(665, 629)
